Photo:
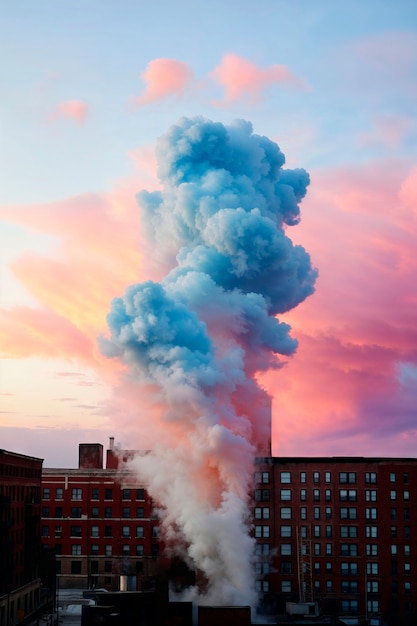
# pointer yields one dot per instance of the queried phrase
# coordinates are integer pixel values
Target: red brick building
(99, 521)
(20, 544)
(340, 532)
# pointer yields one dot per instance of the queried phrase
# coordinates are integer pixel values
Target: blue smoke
(221, 215)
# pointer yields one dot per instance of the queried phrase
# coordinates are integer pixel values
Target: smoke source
(195, 341)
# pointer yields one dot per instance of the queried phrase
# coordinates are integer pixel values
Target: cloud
(241, 79)
(164, 78)
(341, 393)
(76, 110)
(388, 131)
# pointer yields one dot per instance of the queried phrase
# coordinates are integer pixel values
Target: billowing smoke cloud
(195, 341)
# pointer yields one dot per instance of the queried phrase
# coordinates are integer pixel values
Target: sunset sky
(88, 86)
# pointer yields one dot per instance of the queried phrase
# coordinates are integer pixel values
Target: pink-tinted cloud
(345, 391)
(164, 78)
(75, 110)
(241, 79)
(388, 131)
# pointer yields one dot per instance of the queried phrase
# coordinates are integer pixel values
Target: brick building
(99, 521)
(340, 532)
(20, 544)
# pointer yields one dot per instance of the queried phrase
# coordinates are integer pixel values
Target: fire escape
(304, 561)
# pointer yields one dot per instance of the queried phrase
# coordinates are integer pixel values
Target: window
(407, 568)
(349, 586)
(371, 513)
(304, 532)
(125, 494)
(95, 511)
(392, 477)
(394, 585)
(348, 512)
(77, 494)
(303, 477)
(75, 531)
(316, 495)
(316, 531)
(328, 530)
(126, 512)
(108, 550)
(285, 477)
(286, 512)
(303, 494)
(372, 569)
(285, 549)
(45, 531)
(316, 477)
(154, 550)
(349, 549)
(316, 512)
(317, 567)
(286, 567)
(262, 531)
(140, 532)
(140, 512)
(94, 567)
(59, 493)
(140, 494)
(347, 477)
(108, 531)
(75, 567)
(349, 531)
(262, 549)
(94, 548)
(75, 511)
(108, 512)
(373, 606)
(327, 477)
(371, 549)
(393, 494)
(75, 549)
(262, 586)
(394, 514)
(371, 531)
(317, 549)
(262, 477)
(286, 586)
(286, 494)
(329, 549)
(406, 513)
(328, 512)
(95, 493)
(58, 531)
(406, 495)
(370, 495)
(394, 549)
(261, 568)
(125, 531)
(347, 495)
(349, 606)
(370, 478)
(125, 549)
(140, 551)
(262, 495)
(45, 511)
(407, 586)
(94, 531)
(58, 511)
(303, 512)
(262, 512)
(46, 493)
(328, 567)
(155, 532)
(285, 531)
(372, 586)
(329, 586)
(350, 569)
(328, 495)
(405, 478)
(406, 550)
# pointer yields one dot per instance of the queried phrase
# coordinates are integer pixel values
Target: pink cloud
(76, 110)
(387, 130)
(242, 79)
(342, 392)
(164, 78)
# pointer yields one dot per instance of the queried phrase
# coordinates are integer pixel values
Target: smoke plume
(195, 341)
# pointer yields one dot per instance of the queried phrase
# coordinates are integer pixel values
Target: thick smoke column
(196, 339)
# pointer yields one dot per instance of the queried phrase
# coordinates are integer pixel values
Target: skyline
(335, 90)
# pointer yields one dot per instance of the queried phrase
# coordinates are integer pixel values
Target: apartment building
(100, 523)
(20, 544)
(340, 532)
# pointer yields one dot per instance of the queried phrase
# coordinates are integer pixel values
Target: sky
(89, 86)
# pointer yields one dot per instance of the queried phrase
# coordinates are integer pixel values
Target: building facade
(339, 532)
(20, 543)
(100, 523)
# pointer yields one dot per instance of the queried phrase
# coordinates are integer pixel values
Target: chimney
(90, 456)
